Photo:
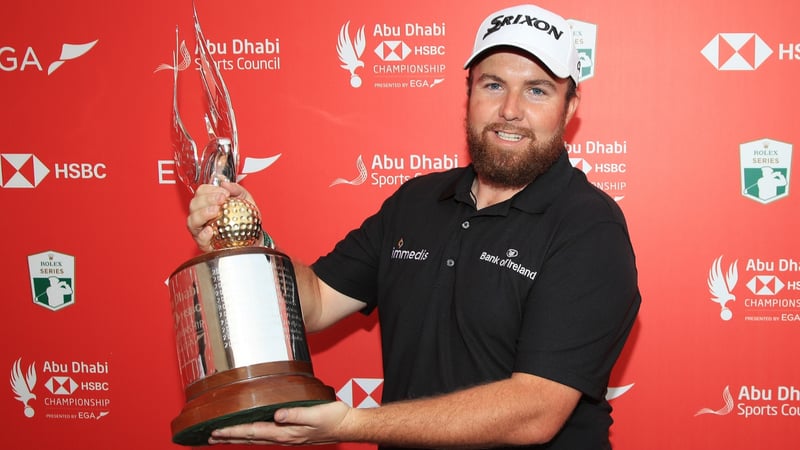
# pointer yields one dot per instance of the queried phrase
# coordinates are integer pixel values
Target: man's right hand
(206, 206)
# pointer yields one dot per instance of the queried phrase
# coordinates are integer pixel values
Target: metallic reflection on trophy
(240, 337)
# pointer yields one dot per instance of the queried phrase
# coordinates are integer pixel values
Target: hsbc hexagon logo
(392, 50)
(21, 170)
(765, 285)
(361, 392)
(736, 51)
(60, 385)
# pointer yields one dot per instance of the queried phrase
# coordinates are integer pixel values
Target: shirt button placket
(450, 262)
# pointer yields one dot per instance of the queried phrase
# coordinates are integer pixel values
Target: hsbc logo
(765, 285)
(361, 392)
(21, 170)
(61, 385)
(736, 51)
(392, 50)
(25, 170)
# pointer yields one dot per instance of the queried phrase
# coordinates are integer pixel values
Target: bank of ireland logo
(721, 285)
(21, 170)
(52, 279)
(585, 36)
(350, 50)
(766, 166)
(736, 51)
(22, 385)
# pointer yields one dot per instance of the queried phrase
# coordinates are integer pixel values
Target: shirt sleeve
(581, 309)
(351, 268)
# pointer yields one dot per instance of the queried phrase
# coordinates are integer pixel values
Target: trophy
(240, 337)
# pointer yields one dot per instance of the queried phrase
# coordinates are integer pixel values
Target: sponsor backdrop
(688, 120)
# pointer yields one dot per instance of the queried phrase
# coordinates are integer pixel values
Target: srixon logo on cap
(523, 19)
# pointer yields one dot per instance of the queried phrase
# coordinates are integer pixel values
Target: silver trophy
(240, 337)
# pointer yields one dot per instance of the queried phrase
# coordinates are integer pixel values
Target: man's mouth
(506, 136)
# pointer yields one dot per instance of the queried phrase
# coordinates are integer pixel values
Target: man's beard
(512, 168)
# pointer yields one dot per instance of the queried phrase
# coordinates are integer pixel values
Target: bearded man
(505, 290)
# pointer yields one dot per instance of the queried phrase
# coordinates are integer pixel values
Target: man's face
(516, 117)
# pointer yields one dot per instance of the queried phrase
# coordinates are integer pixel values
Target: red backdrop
(683, 105)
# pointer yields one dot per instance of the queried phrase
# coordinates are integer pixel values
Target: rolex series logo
(52, 279)
(766, 168)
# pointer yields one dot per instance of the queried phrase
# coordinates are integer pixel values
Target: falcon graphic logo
(350, 52)
(23, 385)
(721, 286)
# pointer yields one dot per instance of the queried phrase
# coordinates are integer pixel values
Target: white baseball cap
(537, 31)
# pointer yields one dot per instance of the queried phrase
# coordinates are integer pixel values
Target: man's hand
(320, 424)
(206, 206)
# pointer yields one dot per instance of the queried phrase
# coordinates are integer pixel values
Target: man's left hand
(319, 424)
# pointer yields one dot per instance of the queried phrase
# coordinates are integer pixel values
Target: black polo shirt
(544, 283)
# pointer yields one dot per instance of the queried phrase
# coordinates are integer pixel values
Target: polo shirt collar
(534, 198)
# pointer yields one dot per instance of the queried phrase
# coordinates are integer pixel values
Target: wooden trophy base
(245, 395)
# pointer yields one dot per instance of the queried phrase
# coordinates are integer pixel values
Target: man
(506, 289)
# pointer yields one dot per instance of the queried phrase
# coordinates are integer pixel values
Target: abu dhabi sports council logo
(724, 410)
(350, 51)
(22, 384)
(766, 168)
(736, 51)
(21, 170)
(359, 179)
(361, 392)
(52, 279)
(12, 60)
(585, 36)
(721, 286)
(386, 170)
(758, 401)
(185, 60)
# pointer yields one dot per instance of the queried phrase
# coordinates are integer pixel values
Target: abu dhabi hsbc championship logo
(762, 290)
(736, 51)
